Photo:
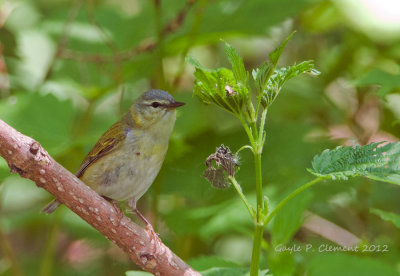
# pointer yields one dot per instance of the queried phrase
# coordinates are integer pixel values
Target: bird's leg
(149, 228)
(117, 208)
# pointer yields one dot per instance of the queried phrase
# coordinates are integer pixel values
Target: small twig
(145, 46)
(142, 47)
(191, 38)
(26, 157)
(242, 196)
(63, 40)
(244, 147)
(179, 19)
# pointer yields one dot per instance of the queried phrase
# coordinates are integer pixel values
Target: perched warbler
(123, 164)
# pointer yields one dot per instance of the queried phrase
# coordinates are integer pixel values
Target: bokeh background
(69, 69)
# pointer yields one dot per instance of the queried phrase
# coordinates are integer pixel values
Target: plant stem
(248, 131)
(257, 164)
(290, 196)
(242, 196)
(255, 256)
(261, 130)
(259, 226)
(244, 147)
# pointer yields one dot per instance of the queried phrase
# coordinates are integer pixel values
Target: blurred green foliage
(69, 69)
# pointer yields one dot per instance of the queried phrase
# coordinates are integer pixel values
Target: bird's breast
(129, 171)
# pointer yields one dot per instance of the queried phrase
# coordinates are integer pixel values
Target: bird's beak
(175, 105)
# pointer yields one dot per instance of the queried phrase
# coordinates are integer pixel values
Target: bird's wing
(107, 143)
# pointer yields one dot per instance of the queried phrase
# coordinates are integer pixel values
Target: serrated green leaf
(387, 216)
(375, 161)
(239, 72)
(281, 76)
(262, 74)
(220, 87)
(194, 62)
(276, 54)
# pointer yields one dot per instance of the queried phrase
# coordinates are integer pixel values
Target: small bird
(123, 164)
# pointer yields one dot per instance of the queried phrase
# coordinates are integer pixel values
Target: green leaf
(387, 216)
(239, 72)
(262, 74)
(281, 263)
(194, 62)
(220, 87)
(289, 218)
(276, 54)
(45, 118)
(388, 83)
(375, 161)
(347, 265)
(281, 76)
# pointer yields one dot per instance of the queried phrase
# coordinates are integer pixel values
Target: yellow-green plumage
(126, 159)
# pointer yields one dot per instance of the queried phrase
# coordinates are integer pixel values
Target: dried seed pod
(224, 165)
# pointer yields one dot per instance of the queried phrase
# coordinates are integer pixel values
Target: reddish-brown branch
(26, 157)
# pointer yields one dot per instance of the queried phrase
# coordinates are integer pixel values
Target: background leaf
(387, 216)
(346, 265)
(289, 218)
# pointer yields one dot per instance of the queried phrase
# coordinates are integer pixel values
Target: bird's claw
(154, 237)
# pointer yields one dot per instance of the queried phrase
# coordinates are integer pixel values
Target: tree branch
(27, 157)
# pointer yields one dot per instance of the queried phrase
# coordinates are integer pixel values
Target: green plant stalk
(248, 131)
(261, 130)
(242, 196)
(256, 253)
(290, 196)
(256, 144)
(259, 226)
(257, 147)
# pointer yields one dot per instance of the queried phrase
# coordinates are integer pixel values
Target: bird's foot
(117, 208)
(154, 237)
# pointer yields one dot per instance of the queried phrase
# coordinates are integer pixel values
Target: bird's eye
(155, 104)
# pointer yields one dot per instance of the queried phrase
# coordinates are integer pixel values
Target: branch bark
(26, 157)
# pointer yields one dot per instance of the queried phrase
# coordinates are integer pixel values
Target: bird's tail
(51, 207)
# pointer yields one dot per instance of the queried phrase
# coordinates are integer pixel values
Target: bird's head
(154, 107)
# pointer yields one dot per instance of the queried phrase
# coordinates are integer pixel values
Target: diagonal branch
(27, 157)
(145, 46)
